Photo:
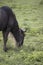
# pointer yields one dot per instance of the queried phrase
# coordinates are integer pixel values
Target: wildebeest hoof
(5, 49)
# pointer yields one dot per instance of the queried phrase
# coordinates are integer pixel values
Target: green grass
(29, 14)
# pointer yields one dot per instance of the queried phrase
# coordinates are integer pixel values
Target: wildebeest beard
(8, 23)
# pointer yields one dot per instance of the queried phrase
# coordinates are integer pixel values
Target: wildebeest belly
(3, 19)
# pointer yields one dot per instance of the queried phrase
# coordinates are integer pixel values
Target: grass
(29, 14)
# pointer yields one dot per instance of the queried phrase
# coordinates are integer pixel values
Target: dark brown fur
(8, 23)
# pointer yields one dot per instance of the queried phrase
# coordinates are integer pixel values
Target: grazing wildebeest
(8, 23)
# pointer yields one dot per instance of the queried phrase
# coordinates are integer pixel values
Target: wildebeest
(9, 23)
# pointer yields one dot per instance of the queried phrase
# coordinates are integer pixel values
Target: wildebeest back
(3, 19)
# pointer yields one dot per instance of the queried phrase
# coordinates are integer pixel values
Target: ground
(29, 14)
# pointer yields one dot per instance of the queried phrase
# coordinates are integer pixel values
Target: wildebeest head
(21, 37)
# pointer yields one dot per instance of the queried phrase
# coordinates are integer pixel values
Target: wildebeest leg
(5, 37)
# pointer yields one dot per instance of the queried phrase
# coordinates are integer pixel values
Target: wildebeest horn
(24, 30)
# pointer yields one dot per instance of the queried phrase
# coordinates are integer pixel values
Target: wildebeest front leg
(5, 37)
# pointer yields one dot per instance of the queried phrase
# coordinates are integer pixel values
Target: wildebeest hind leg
(5, 38)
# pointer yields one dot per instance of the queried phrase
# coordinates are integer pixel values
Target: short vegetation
(29, 14)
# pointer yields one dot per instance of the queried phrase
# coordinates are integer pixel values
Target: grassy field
(29, 14)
